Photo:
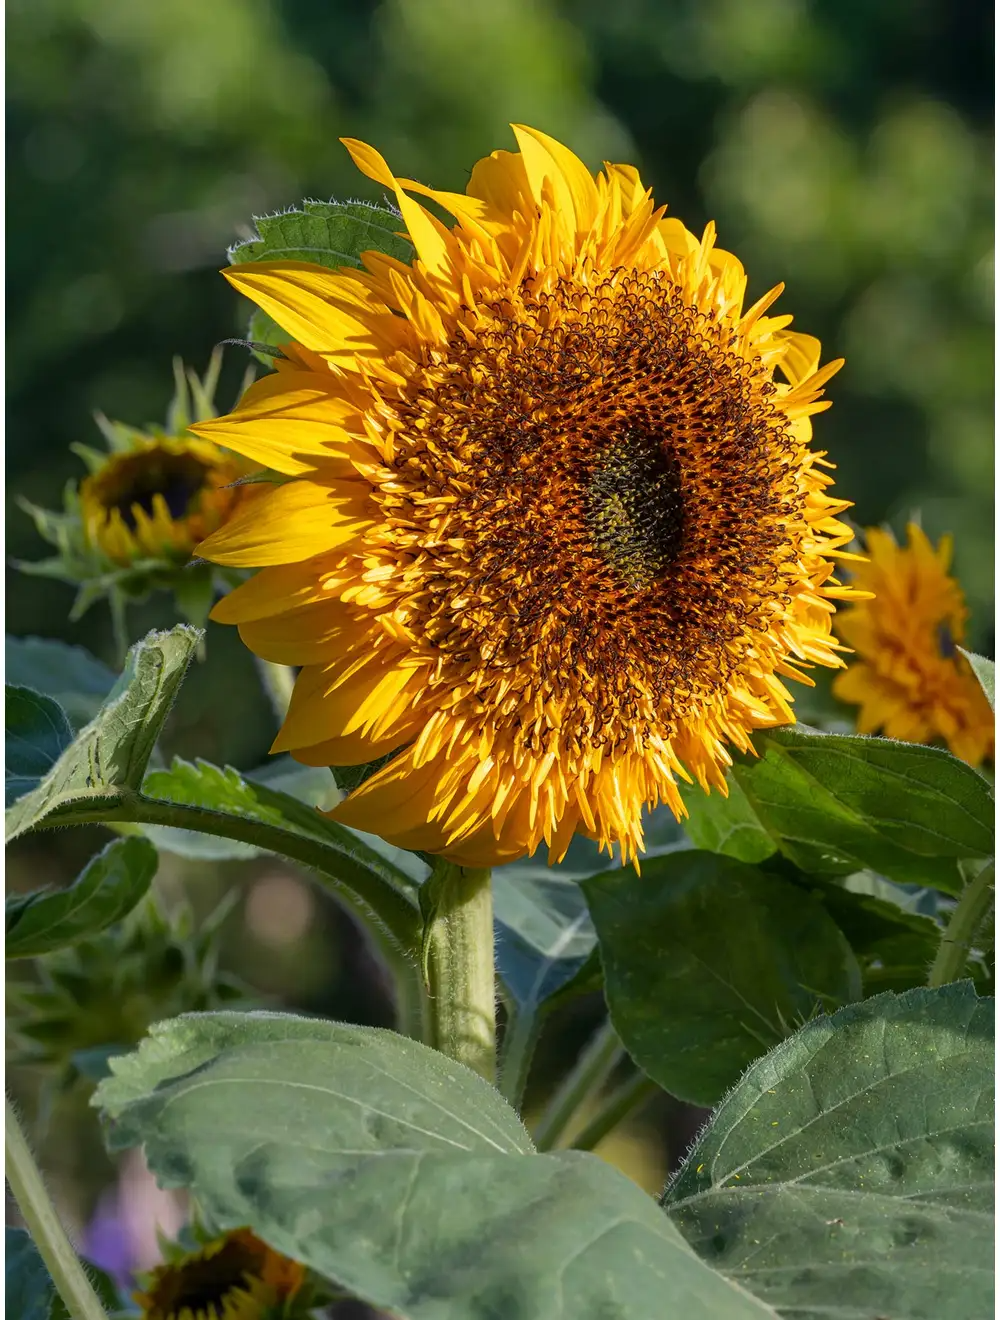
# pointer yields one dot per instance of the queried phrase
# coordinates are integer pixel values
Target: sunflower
(555, 535)
(235, 1277)
(133, 523)
(910, 680)
(159, 498)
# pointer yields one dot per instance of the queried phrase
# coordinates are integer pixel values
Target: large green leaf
(36, 735)
(849, 1173)
(400, 1175)
(835, 804)
(69, 674)
(985, 671)
(709, 962)
(894, 946)
(726, 825)
(111, 753)
(109, 888)
(544, 932)
(329, 234)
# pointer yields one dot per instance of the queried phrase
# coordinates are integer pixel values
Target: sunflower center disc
(635, 509)
(177, 477)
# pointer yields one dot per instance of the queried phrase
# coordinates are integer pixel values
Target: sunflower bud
(99, 998)
(132, 525)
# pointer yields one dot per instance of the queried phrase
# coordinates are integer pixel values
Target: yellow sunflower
(235, 1277)
(909, 678)
(159, 498)
(556, 535)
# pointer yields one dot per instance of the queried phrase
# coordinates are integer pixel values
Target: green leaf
(835, 804)
(294, 829)
(850, 1171)
(709, 962)
(111, 885)
(726, 825)
(111, 753)
(543, 929)
(985, 671)
(72, 676)
(400, 1175)
(893, 945)
(37, 734)
(31, 1294)
(332, 234)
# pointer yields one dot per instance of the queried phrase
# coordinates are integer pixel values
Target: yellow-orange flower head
(159, 498)
(909, 680)
(234, 1277)
(556, 534)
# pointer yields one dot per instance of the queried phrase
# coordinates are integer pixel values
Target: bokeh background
(842, 146)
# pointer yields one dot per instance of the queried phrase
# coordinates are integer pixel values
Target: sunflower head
(555, 536)
(233, 1277)
(150, 497)
(908, 678)
(158, 499)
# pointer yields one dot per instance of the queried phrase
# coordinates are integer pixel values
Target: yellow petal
(288, 422)
(288, 523)
(501, 181)
(297, 295)
(801, 355)
(325, 706)
(429, 236)
(576, 191)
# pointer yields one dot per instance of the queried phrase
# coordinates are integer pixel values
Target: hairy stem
(619, 1105)
(43, 1224)
(958, 938)
(458, 958)
(593, 1068)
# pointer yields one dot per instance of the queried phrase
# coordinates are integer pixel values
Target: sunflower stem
(593, 1068)
(458, 966)
(619, 1104)
(277, 682)
(519, 1041)
(957, 940)
(43, 1224)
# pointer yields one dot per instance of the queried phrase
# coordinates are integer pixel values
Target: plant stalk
(519, 1041)
(957, 940)
(458, 963)
(593, 1068)
(618, 1105)
(43, 1224)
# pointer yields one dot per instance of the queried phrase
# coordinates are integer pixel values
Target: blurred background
(842, 146)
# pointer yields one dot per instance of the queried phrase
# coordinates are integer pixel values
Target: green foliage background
(842, 146)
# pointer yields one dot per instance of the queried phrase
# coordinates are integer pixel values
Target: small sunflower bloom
(131, 526)
(554, 536)
(909, 679)
(159, 498)
(234, 1277)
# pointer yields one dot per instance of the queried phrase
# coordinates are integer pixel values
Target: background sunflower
(843, 149)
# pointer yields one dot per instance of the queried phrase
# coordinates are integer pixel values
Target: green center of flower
(635, 509)
(178, 478)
